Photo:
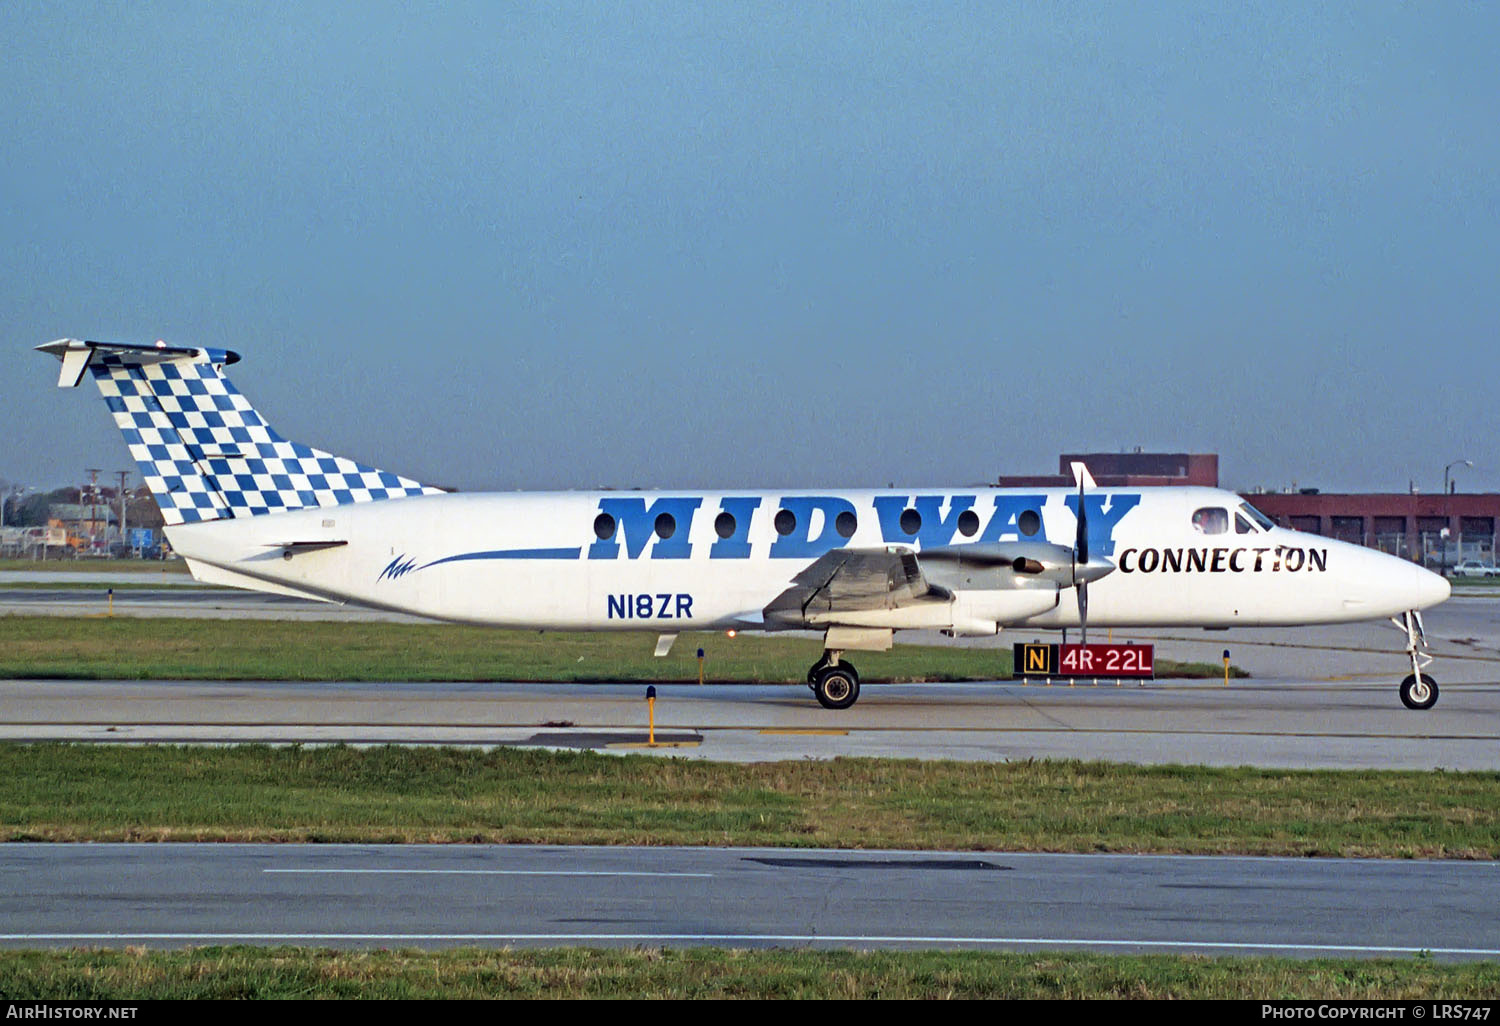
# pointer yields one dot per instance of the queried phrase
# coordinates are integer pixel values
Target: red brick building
(1121, 469)
(1401, 524)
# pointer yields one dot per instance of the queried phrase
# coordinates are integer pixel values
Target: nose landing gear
(1418, 690)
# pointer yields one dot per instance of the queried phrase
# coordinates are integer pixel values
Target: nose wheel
(1419, 691)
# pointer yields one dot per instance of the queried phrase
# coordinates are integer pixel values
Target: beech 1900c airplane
(248, 508)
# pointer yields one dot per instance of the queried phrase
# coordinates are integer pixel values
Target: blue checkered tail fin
(203, 450)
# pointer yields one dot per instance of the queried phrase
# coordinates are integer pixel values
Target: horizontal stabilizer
(77, 354)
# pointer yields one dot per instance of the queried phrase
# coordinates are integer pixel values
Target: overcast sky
(674, 244)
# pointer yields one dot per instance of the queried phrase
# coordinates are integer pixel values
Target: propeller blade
(1081, 558)
(1081, 544)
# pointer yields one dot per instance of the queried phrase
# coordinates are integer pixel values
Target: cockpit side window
(1211, 520)
(1243, 526)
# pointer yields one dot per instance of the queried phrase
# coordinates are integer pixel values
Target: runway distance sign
(1043, 660)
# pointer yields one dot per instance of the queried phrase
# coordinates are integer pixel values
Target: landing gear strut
(1418, 690)
(835, 683)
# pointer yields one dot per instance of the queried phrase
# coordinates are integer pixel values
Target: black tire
(837, 687)
(820, 666)
(1419, 696)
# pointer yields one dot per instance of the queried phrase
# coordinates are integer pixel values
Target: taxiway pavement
(1295, 725)
(172, 895)
(1319, 697)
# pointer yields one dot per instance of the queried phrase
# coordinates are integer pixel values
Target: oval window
(1030, 522)
(604, 526)
(911, 521)
(1211, 520)
(724, 525)
(666, 526)
(846, 524)
(968, 523)
(786, 521)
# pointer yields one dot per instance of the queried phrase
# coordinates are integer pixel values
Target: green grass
(140, 583)
(246, 972)
(132, 566)
(1475, 583)
(56, 792)
(148, 648)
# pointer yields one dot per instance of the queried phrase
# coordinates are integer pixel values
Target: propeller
(1081, 553)
(1081, 557)
(1036, 562)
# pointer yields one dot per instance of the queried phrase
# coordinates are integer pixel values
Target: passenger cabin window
(1211, 520)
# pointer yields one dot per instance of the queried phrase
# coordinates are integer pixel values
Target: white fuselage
(537, 560)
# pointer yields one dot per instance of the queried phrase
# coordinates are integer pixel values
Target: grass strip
(248, 972)
(392, 794)
(85, 565)
(173, 581)
(150, 648)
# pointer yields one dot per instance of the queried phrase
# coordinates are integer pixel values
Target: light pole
(1455, 463)
(1447, 515)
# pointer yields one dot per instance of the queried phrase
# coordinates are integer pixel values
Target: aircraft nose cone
(1430, 589)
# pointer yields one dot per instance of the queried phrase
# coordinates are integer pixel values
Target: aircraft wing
(867, 587)
(854, 580)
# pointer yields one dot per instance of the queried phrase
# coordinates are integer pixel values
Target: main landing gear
(1418, 690)
(835, 683)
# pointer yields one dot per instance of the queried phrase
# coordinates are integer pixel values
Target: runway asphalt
(169, 895)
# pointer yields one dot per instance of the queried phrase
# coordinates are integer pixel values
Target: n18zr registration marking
(649, 606)
(1038, 660)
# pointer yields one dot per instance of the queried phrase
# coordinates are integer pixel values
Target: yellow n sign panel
(1033, 660)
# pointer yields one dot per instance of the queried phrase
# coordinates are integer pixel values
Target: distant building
(1121, 469)
(85, 523)
(1401, 524)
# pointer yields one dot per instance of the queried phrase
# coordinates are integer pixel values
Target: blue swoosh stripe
(572, 553)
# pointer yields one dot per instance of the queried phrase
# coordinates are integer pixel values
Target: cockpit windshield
(1265, 522)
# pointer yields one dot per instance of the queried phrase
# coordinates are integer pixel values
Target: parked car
(1474, 568)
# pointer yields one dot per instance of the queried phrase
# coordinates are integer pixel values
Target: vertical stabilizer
(204, 451)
